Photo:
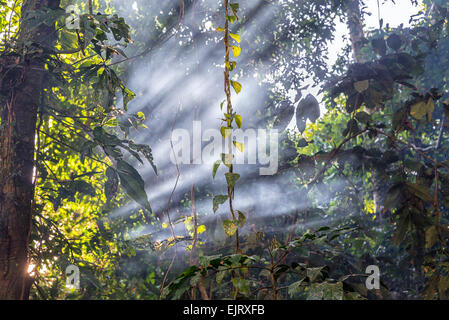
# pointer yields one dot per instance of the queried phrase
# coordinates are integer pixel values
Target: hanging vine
(230, 119)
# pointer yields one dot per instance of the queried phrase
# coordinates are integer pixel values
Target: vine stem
(227, 89)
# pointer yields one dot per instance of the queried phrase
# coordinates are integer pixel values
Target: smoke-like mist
(182, 81)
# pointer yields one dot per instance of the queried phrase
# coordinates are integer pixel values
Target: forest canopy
(232, 149)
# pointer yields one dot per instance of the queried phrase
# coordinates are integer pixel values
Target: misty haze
(232, 149)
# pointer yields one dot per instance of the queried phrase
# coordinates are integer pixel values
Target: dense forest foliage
(95, 179)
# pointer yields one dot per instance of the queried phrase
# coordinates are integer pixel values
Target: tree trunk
(20, 93)
(355, 26)
(357, 36)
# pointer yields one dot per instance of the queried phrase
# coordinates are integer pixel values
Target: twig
(195, 223)
(333, 154)
(72, 148)
(168, 207)
(440, 136)
(161, 39)
(411, 146)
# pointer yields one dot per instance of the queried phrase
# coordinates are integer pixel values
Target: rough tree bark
(22, 85)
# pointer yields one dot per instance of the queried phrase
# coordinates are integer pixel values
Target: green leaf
(234, 7)
(183, 277)
(351, 128)
(241, 284)
(420, 191)
(215, 168)
(242, 218)
(326, 291)
(133, 183)
(82, 187)
(422, 108)
(105, 138)
(363, 117)
(431, 237)
(231, 179)
(68, 40)
(295, 288)
(146, 151)
(314, 273)
(408, 62)
(222, 271)
(308, 108)
(394, 197)
(227, 159)
(302, 143)
(218, 200)
(128, 95)
(205, 261)
(231, 19)
(230, 227)
(379, 46)
(394, 42)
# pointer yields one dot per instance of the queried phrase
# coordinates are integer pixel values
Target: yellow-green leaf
(418, 110)
(231, 65)
(231, 19)
(430, 109)
(237, 86)
(238, 121)
(240, 146)
(230, 227)
(242, 218)
(225, 132)
(422, 108)
(201, 229)
(361, 86)
(236, 37)
(431, 237)
(236, 51)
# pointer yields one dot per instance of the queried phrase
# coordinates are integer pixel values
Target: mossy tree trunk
(21, 89)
